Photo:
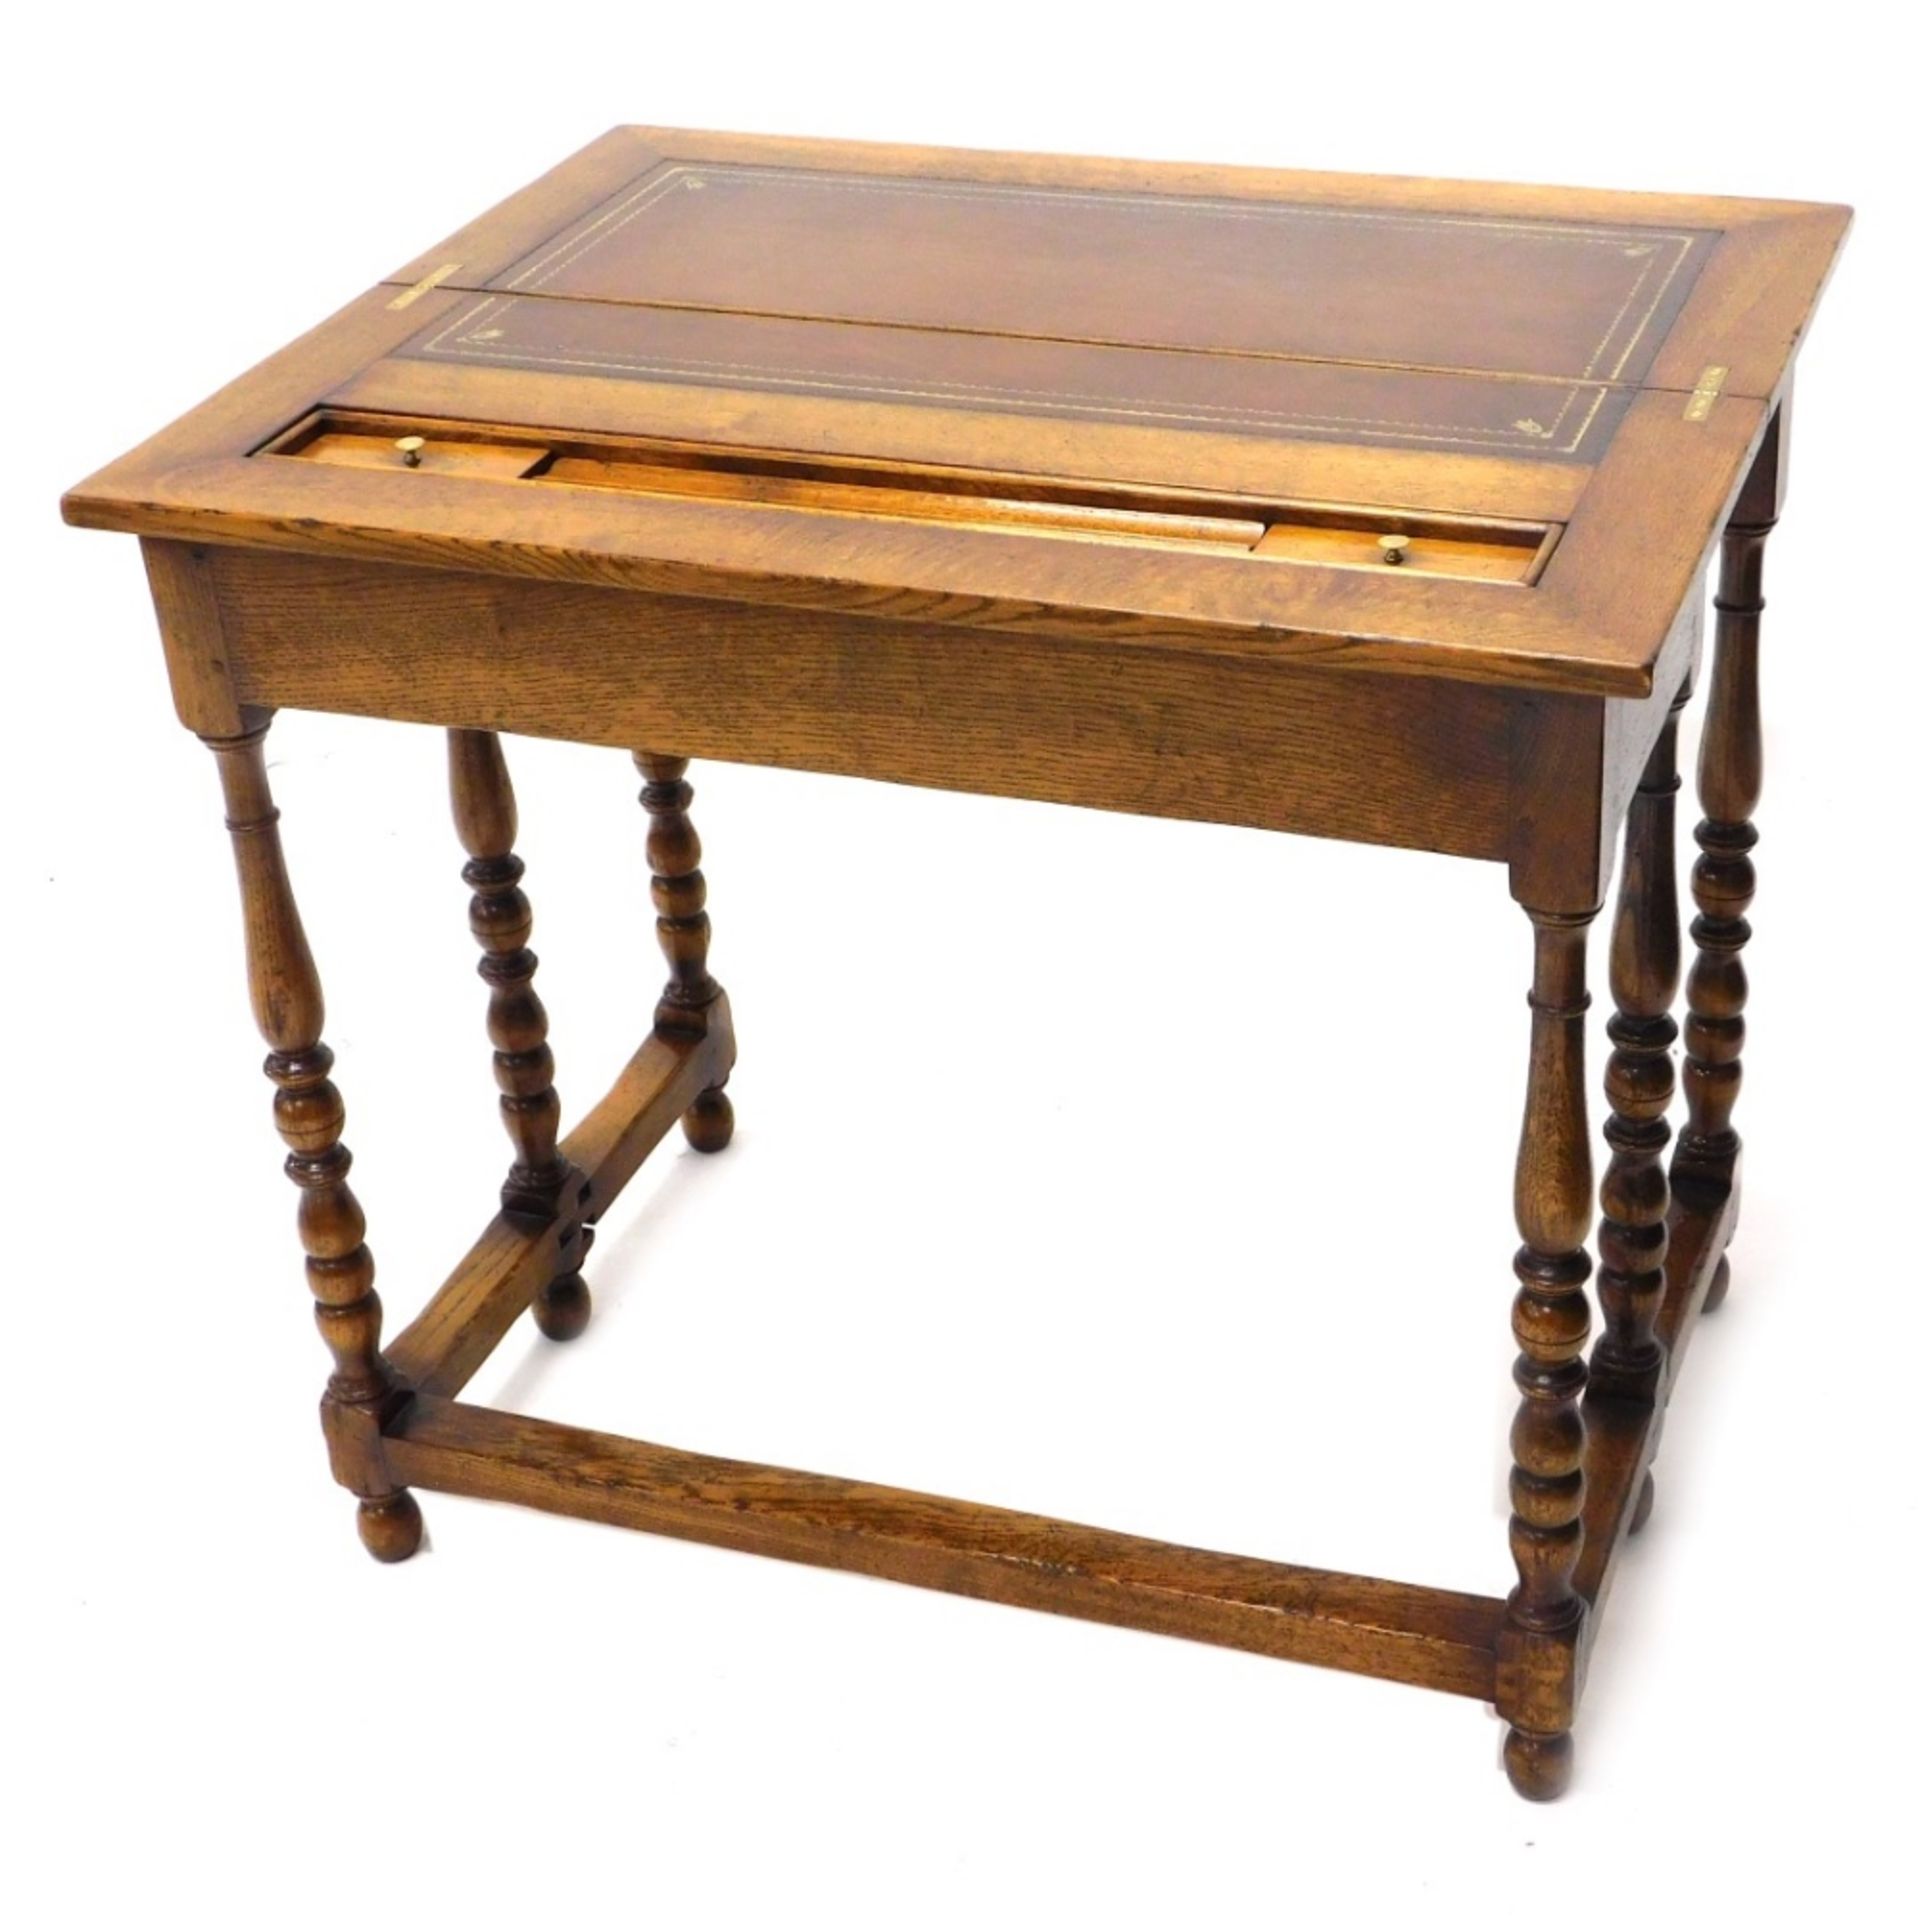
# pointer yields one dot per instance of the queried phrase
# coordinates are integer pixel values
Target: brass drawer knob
(410, 449)
(1393, 548)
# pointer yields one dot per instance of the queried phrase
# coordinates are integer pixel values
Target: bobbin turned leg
(1628, 1360)
(540, 1183)
(1553, 1201)
(1708, 1150)
(309, 1113)
(680, 899)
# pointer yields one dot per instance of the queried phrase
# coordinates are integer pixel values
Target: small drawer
(1462, 550)
(1481, 551)
(421, 453)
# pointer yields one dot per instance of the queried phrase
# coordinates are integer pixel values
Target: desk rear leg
(680, 899)
(1708, 1151)
(540, 1183)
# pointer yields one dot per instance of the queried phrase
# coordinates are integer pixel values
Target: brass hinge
(1705, 393)
(419, 287)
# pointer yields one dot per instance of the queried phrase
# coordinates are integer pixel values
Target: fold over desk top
(1482, 431)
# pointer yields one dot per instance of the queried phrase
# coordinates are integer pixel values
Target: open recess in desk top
(1510, 552)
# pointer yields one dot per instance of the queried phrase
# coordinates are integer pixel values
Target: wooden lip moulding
(1171, 489)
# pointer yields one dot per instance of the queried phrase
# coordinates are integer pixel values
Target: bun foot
(1717, 1286)
(390, 1527)
(1538, 1764)
(1643, 1507)
(708, 1123)
(562, 1308)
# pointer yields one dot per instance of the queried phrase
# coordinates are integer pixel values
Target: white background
(1155, 1175)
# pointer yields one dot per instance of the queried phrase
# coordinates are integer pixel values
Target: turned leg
(540, 1183)
(1628, 1359)
(309, 1113)
(680, 900)
(1553, 1202)
(1708, 1149)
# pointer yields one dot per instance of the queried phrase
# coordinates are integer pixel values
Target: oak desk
(1375, 508)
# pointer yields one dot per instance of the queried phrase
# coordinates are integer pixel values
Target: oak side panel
(1415, 763)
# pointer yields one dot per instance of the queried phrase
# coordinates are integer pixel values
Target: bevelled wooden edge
(1422, 1636)
(249, 409)
(1626, 572)
(1751, 307)
(942, 575)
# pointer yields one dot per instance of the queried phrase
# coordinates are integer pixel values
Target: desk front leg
(310, 1115)
(1538, 1670)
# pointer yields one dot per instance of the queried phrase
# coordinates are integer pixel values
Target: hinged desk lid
(1295, 348)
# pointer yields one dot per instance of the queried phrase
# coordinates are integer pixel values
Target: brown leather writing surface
(1205, 313)
(1384, 287)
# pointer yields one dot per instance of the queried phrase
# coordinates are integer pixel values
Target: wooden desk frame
(1543, 748)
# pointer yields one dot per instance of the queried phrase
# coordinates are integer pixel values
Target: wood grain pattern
(666, 1075)
(901, 502)
(1251, 744)
(475, 1307)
